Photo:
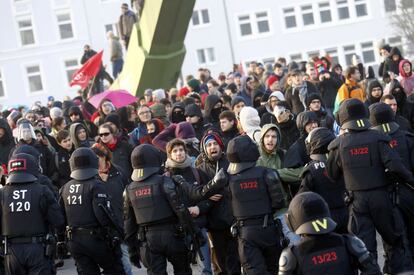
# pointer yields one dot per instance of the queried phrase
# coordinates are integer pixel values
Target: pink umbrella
(119, 98)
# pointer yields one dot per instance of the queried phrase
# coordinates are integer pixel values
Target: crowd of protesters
(276, 105)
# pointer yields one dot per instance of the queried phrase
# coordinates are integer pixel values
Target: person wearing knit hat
(158, 111)
(148, 97)
(55, 112)
(194, 115)
(114, 120)
(193, 85)
(237, 103)
(183, 93)
(157, 95)
(314, 103)
(272, 83)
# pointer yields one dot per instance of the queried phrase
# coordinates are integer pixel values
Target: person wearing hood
(194, 116)
(400, 120)
(237, 103)
(105, 108)
(79, 135)
(228, 127)
(180, 163)
(296, 94)
(213, 106)
(159, 112)
(257, 98)
(212, 158)
(374, 92)
(286, 123)
(250, 123)
(266, 110)
(62, 156)
(328, 86)
(337, 73)
(392, 63)
(404, 107)
(27, 136)
(406, 77)
(297, 156)
(177, 114)
(76, 116)
(384, 51)
(315, 104)
(6, 145)
(314, 177)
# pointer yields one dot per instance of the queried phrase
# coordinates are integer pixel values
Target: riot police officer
(255, 195)
(320, 250)
(89, 232)
(361, 156)
(382, 119)
(27, 211)
(156, 219)
(315, 178)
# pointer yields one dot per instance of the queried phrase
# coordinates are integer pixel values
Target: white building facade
(42, 40)
(227, 32)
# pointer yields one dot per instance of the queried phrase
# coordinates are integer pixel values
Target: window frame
(27, 82)
(74, 68)
(360, 3)
(58, 24)
(253, 20)
(289, 12)
(306, 12)
(324, 9)
(200, 17)
(206, 56)
(340, 4)
(20, 18)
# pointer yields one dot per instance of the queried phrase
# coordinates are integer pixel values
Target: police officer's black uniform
(27, 211)
(361, 156)
(320, 251)
(82, 200)
(315, 178)
(255, 195)
(382, 119)
(154, 214)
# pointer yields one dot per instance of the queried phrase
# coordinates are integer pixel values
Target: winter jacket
(61, 159)
(250, 123)
(76, 142)
(390, 65)
(121, 157)
(294, 100)
(370, 99)
(329, 88)
(349, 89)
(211, 114)
(140, 134)
(406, 80)
(6, 143)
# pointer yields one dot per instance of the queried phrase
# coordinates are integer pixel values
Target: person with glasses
(120, 149)
(315, 104)
(147, 127)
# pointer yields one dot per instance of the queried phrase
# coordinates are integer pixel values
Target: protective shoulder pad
(408, 134)
(287, 262)
(380, 135)
(356, 247)
(334, 144)
(271, 176)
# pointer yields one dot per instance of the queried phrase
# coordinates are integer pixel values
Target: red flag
(88, 71)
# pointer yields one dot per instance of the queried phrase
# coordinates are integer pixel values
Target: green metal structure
(156, 48)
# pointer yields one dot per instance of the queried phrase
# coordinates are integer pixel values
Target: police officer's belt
(160, 227)
(85, 231)
(26, 240)
(256, 221)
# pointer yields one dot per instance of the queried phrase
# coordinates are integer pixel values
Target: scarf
(112, 146)
(180, 165)
(303, 89)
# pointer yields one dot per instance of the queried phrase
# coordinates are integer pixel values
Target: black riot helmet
(30, 150)
(242, 153)
(22, 168)
(318, 140)
(308, 213)
(353, 115)
(83, 164)
(382, 118)
(146, 161)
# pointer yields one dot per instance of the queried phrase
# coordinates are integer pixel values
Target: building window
(406, 4)
(312, 54)
(206, 56)
(200, 17)
(343, 9)
(361, 8)
(368, 53)
(111, 27)
(325, 12)
(290, 18)
(26, 31)
(307, 15)
(262, 22)
(1, 85)
(296, 57)
(65, 25)
(349, 52)
(333, 55)
(245, 25)
(70, 67)
(34, 77)
(390, 5)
